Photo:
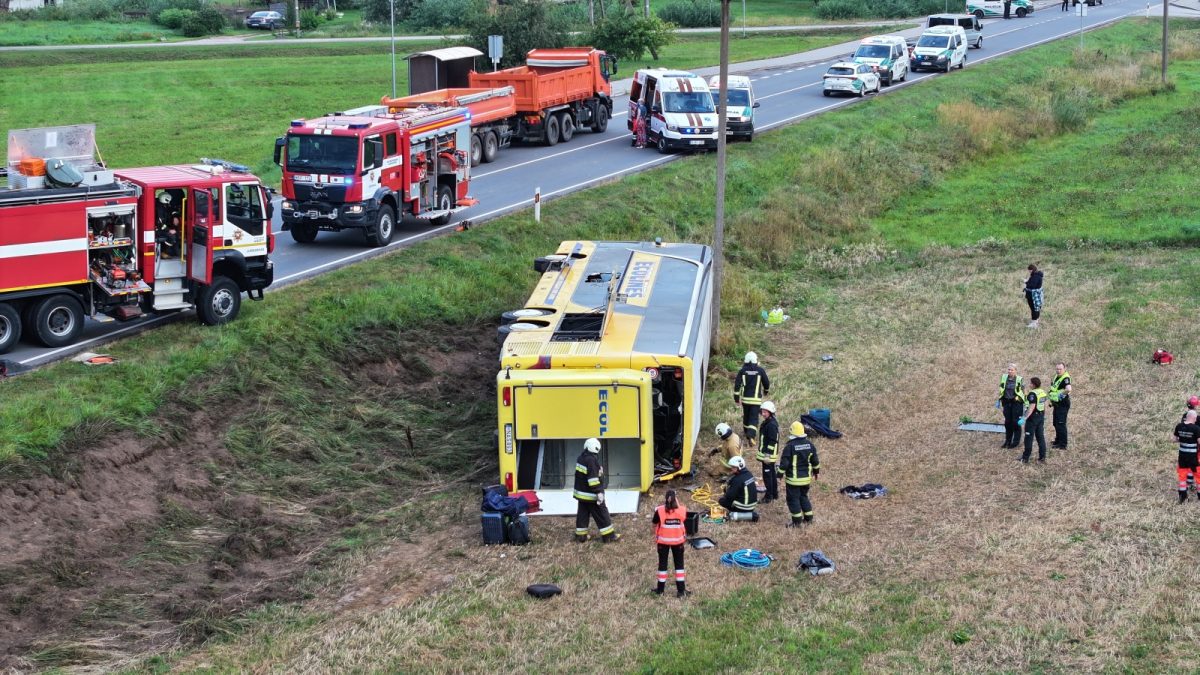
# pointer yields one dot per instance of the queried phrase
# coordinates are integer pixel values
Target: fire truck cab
(363, 168)
(105, 244)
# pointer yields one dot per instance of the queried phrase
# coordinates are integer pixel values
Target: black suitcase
(517, 529)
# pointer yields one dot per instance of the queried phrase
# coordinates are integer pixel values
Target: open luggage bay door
(546, 415)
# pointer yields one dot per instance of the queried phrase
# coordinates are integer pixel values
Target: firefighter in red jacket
(589, 492)
(670, 534)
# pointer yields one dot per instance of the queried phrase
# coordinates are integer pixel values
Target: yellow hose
(704, 496)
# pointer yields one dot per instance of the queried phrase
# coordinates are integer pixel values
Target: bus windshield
(322, 154)
(689, 102)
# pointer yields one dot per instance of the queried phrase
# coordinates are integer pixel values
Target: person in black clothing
(741, 495)
(1060, 400)
(1033, 293)
(749, 388)
(1007, 5)
(1012, 402)
(1035, 421)
(799, 466)
(1186, 434)
(768, 451)
(589, 493)
(1064, 6)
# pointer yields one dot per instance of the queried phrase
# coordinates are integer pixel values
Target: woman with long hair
(670, 535)
(1033, 295)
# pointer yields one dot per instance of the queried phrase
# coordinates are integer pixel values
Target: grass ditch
(298, 373)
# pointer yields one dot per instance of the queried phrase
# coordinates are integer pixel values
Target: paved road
(789, 90)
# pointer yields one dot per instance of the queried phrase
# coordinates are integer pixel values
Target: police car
(940, 48)
(995, 8)
(855, 79)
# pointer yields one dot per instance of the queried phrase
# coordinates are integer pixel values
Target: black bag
(516, 530)
(543, 590)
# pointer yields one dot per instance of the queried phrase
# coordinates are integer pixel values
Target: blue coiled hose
(746, 558)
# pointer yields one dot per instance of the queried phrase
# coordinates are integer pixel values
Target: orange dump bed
(486, 104)
(550, 77)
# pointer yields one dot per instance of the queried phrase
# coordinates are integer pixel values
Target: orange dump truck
(555, 93)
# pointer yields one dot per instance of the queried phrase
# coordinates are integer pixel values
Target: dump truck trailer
(612, 344)
(556, 93)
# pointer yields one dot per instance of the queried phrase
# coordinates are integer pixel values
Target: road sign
(495, 49)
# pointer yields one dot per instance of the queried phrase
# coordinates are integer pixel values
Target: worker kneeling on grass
(589, 492)
(741, 495)
(799, 465)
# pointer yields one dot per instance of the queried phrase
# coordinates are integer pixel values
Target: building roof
(449, 53)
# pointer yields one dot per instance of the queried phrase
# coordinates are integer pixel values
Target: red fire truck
(113, 244)
(363, 168)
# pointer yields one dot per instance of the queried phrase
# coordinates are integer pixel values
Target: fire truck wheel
(304, 233)
(10, 327)
(58, 320)
(568, 127)
(380, 234)
(219, 302)
(476, 150)
(552, 130)
(600, 124)
(491, 146)
(445, 202)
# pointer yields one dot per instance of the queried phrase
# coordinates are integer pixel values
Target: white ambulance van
(683, 115)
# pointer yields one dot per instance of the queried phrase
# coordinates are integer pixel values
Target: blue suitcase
(493, 528)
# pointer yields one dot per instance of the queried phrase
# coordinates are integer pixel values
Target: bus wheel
(58, 320)
(219, 302)
(476, 150)
(491, 146)
(10, 327)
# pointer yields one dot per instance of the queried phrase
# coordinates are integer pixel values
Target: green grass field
(968, 564)
(763, 12)
(259, 88)
(17, 33)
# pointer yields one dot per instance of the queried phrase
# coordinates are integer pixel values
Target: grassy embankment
(934, 575)
(232, 101)
(763, 12)
(17, 33)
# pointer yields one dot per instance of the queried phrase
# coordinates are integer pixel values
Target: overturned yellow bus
(612, 344)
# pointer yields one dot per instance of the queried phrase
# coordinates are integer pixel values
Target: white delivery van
(940, 48)
(970, 23)
(887, 54)
(682, 113)
(739, 121)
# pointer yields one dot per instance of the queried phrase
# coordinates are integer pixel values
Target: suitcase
(517, 530)
(691, 523)
(493, 528)
(531, 498)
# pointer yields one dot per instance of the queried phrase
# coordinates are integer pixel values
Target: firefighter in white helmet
(768, 451)
(589, 493)
(741, 495)
(749, 388)
(731, 445)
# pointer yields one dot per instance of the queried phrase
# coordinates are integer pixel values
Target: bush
(157, 7)
(692, 13)
(525, 25)
(379, 11)
(309, 19)
(629, 36)
(206, 21)
(173, 18)
(437, 14)
(878, 9)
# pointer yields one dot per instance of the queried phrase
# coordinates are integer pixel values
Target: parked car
(740, 118)
(940, 48)
(855, 79)
(265, 20)
(887, 54)
(995, 8)
(971, 25)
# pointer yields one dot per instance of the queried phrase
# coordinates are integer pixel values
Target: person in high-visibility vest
(1035, 421)
(1060, 400)
(799, 465)
(1012, 401)
(749, 388)
(1187, 434)
(670, 534)
(589, 493)
(768, 452)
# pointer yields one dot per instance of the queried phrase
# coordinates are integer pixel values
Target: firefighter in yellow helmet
(799, 466)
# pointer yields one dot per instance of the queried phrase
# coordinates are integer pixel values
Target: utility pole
(1165, 3)
(719, 228)
(392, 5)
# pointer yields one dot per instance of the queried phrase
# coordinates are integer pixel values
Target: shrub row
(882, 9)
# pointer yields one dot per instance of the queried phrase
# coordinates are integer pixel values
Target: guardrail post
(537, 204)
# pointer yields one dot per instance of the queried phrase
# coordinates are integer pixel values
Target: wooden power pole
(719, 225)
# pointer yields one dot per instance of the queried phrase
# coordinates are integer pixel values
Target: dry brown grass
(1066, 566)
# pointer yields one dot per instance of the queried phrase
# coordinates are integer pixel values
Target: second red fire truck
(365, 168)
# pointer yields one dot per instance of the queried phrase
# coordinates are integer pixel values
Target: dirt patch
(132, 543)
